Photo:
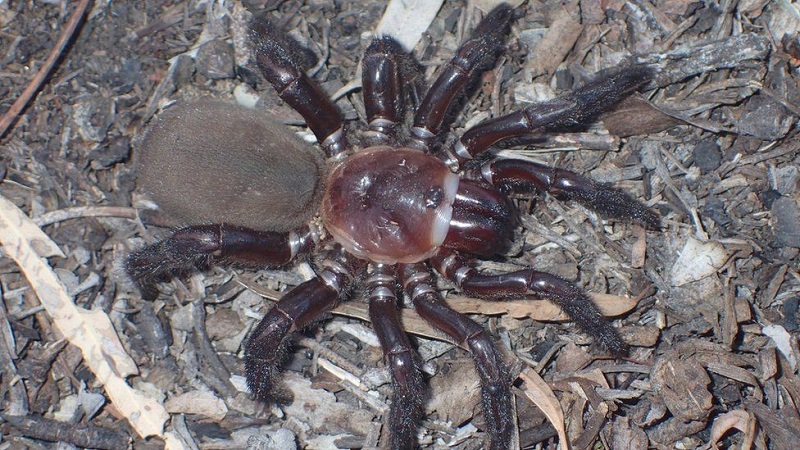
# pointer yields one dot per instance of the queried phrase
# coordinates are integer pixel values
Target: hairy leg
(391, 81)
(578, 108)
(529, 282)
(402, 359)
(280, 60)
(474, 56)
(197, 247)
(523, 176)
(298, 308)
(495, 381)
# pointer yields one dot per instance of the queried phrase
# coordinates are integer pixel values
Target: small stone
(787, 179)
(119, 150)
(786, 221)
(715, 209)
(765, 119)
(282, 439)
(223, 323)
(94, 115)
(215, 60)
(769, 197)
(707, 156)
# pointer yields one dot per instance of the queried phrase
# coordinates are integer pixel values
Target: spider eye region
(389, 205)
(433, 197)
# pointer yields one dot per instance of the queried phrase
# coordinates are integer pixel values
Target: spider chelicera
(377, 216)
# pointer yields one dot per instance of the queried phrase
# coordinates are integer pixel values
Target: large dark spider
(381, 216)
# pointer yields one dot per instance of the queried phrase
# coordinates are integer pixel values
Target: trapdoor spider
(378, 217)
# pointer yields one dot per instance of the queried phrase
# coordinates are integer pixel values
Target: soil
(709, 302)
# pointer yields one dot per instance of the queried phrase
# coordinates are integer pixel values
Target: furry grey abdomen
(207, 162)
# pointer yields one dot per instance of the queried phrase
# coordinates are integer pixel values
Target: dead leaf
(556, 43)
(698, 260)
(91, 331)
(539, 310)
(537, 390)
(740, 420)
(635, 116)
(204, 403)
(407, 21)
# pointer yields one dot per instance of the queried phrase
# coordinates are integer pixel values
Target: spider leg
(301, 306)
(523, 176)
(483, 220)
(390, 76)
(198, 246)
(473, 56)
(403, 361)
(495, 381)
(522, 283)
(278, 56)
(578, 108)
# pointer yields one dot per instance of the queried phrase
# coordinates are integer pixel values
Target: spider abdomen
(206, 162)
(390, 205)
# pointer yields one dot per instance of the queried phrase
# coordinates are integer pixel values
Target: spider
(377, 217)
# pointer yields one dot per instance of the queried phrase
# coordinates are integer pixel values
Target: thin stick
(11, 115)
